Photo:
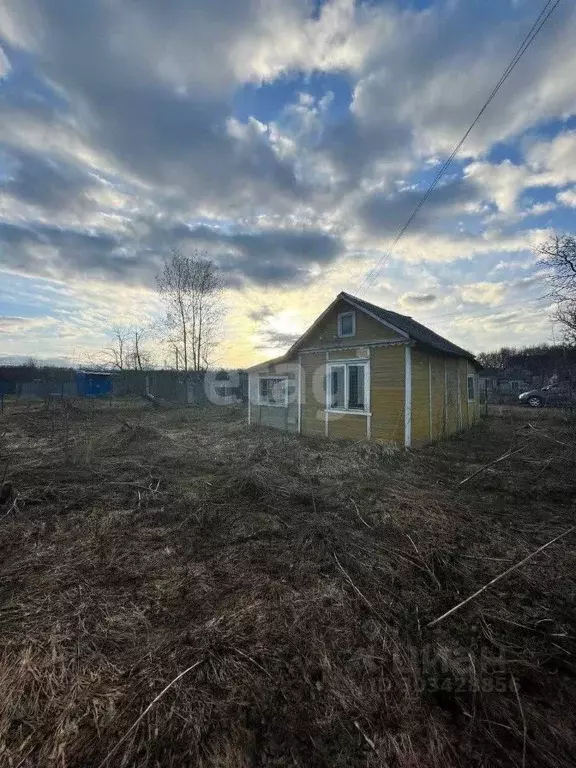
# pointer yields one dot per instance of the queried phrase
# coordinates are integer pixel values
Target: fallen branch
(145, 712)
(524, 727)
(491, 464)
(500, 576)
(553, 439)
(359, 515)
(354, 587)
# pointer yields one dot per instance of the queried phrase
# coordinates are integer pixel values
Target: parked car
(560, 394)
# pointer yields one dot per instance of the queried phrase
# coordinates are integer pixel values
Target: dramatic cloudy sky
(289, 139)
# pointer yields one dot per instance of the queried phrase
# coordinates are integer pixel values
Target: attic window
(347, 324)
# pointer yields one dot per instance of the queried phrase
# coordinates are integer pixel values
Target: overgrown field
(290, 584)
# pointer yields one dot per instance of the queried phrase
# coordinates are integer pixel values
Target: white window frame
(345, 364)
(275, 378)
(345, 314)
(474, 387)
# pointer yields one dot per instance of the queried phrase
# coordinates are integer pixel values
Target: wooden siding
(441, 376)
(420, 398)
(313, 398)
(349, 425)
(473, 408)
(367, 329)
(451, 369)
(387, 393)
(284, 418)
(349, 353)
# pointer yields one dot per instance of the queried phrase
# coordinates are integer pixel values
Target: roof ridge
(377, 306)
(413, 328)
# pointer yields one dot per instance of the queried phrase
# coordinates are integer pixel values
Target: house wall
(439, 395)
(387, 393)
(284, 418)
(350, 425)
(473, 408)
(420, 397)
(367, 329)
(313, 366)
(440, 381)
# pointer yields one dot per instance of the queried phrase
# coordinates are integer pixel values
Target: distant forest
(539, 362)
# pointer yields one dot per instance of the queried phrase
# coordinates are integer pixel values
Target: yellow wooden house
(361, 371)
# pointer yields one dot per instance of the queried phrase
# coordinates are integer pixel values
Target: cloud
(124, 133)
(4, 64)
(277, 340)
(418, 299)
(502, 183)
(265, 257)
(162, 111)
(261, 314)
(567, 198)
(15, 324)
(47, 182)
(490, 294)
(383, 212)
(547, 164)
(58, 253)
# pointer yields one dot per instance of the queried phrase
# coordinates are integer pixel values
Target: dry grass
(300, 575)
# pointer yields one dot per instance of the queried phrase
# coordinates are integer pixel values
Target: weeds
(302, 575)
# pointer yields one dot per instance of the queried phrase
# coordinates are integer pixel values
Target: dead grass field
(292, 582)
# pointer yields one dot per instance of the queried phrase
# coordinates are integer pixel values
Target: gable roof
(410, 327)
(405, 326)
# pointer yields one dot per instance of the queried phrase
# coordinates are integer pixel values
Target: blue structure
(94, 383)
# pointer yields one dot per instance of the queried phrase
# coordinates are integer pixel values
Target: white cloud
(503, 183)
(567, 197)
(490, 294)
(149, 126)
(4, 64)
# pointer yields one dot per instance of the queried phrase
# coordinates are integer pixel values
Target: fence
(193, 388)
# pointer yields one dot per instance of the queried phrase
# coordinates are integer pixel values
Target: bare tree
(138, 357)
(117, 353)
(558, 259)
(127, 350)
(191, 287)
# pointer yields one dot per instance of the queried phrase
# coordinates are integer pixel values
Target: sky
(288, 140)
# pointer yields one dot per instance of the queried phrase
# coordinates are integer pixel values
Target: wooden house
(360, 372)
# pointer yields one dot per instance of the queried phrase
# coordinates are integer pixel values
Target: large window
(273, 390)
(471, 387)
(347, 387)
(346, 324)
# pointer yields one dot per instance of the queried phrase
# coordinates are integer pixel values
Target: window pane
(356, 386)
(346, 325)
(273, 391)
(337, 387)
(278, 391)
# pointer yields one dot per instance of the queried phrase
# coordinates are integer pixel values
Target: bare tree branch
(191, 287)
(557, 258)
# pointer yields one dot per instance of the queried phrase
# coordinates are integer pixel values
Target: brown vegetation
(292, 582)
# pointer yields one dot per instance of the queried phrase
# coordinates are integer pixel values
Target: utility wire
(534, 30)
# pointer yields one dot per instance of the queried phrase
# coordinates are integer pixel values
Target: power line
(534, 30)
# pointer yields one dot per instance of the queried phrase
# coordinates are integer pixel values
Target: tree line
(557, 263)
(539, 362)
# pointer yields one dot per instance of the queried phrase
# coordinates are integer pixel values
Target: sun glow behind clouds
(289, 142)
